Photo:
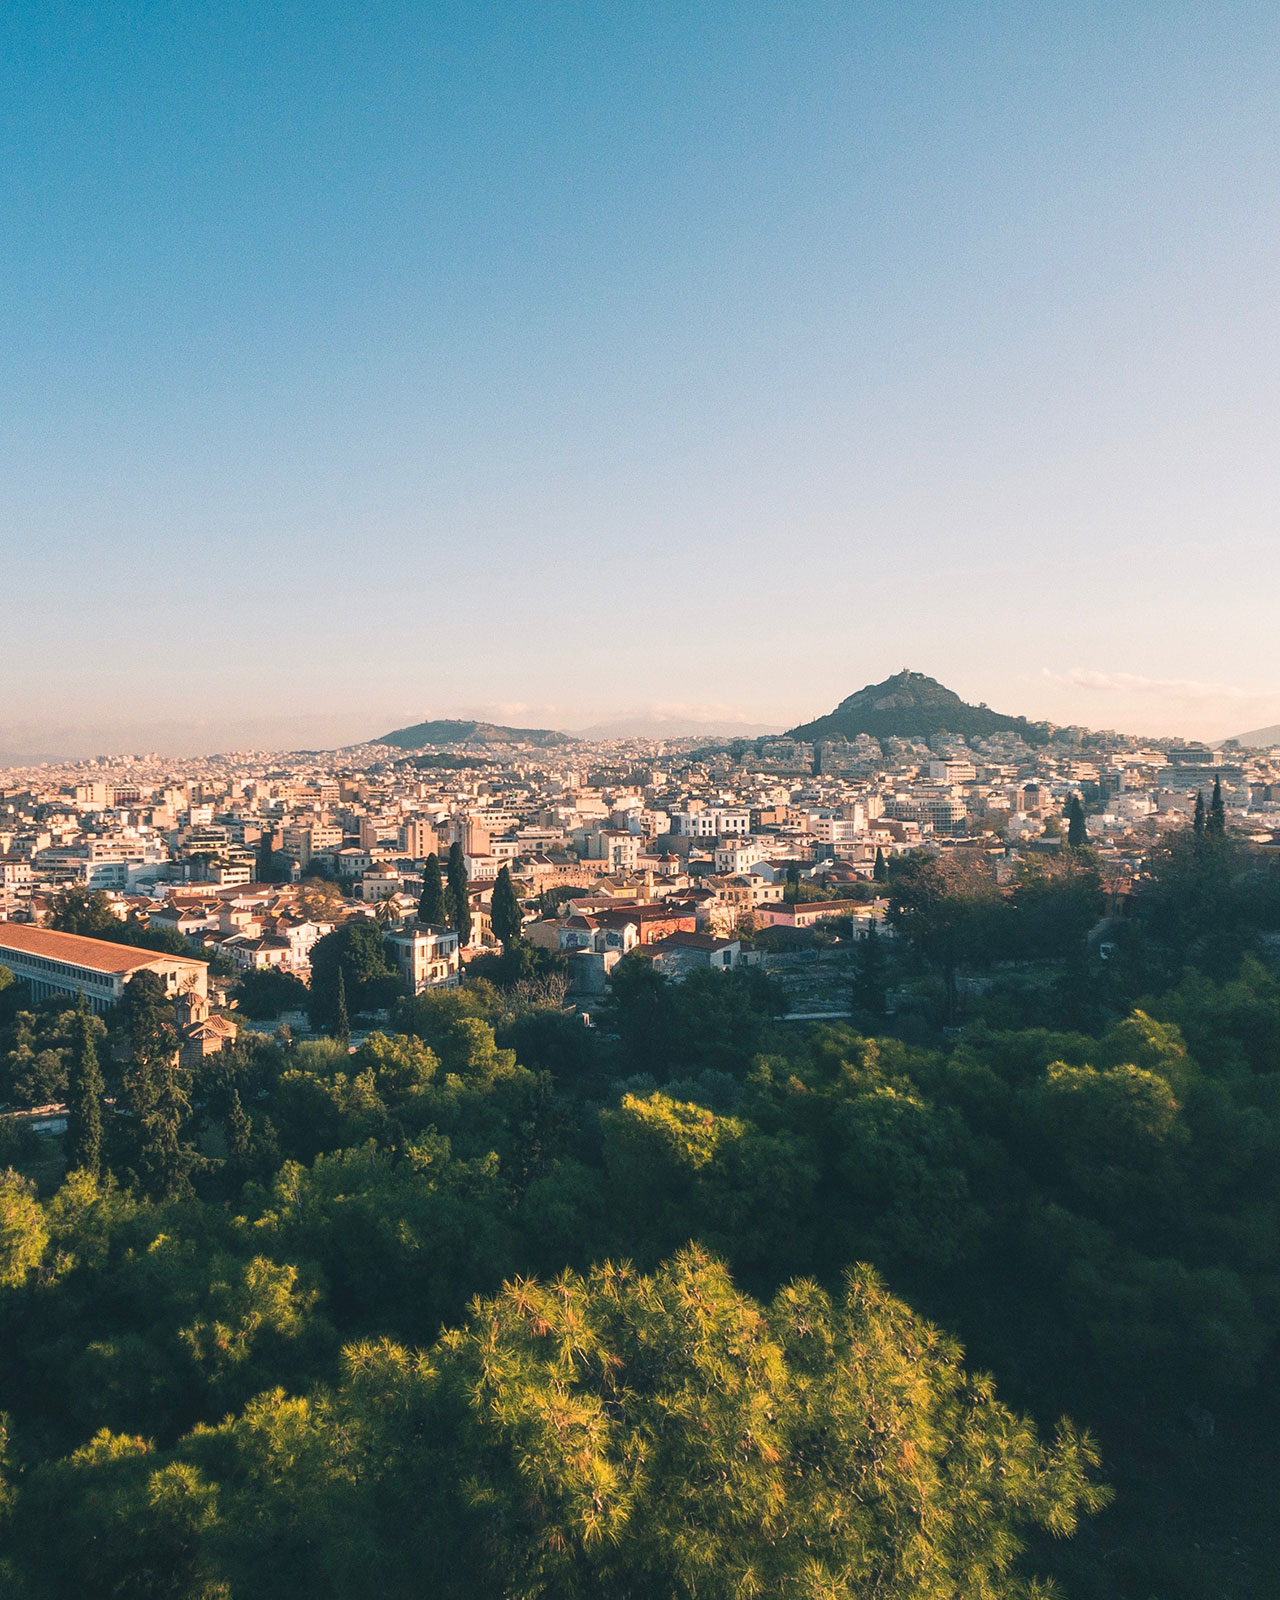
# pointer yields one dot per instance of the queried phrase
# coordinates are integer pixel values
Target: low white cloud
(1134, 683)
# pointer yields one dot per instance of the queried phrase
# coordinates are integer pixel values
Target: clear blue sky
(556, 361)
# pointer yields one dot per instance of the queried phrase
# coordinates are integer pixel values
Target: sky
(654, 364)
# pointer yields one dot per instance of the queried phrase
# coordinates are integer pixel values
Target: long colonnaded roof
(97, 955)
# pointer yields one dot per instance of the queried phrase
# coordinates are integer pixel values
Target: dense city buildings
(252, 858)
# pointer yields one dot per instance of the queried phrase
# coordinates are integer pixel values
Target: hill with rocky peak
(910, 705)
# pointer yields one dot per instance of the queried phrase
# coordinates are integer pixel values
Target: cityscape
(639, 801)
(703, 855)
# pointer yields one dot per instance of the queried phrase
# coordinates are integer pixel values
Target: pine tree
(791, 891)
(505, 913)
(880, 872)
(459, 903)
(341, 1023)
(85, 1089)
(431, 905)
(1216, 826)
(1077, 832)
(1198, 821)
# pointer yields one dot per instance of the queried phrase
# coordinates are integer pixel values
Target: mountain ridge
(1258, 738)
(456, 730)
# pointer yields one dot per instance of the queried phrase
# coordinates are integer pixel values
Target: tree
(869, 973)
(1216, 826)
(950, 909)
(265, 992)
(609, 1434)
(880, 872)
(320, 899)
(431, 905)
(148, 1015)
(341, 1026)
(155, 1092)
(791, 889)
(1077, 831)
(85, 912)
(24, 1230)
(85, 1089)
(459, 901)
(266, 870)
(155, 1095)
(505, 914)
(1198, 819)
(369, 980)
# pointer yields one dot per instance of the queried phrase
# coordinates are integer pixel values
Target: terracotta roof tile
(99, 955)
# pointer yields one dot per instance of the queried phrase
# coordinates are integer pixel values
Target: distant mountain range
(450, 731)
(912, 706)
(1260, 738)
(642, 727)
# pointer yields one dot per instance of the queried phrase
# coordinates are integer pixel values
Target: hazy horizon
(323, 731)
(562, 366)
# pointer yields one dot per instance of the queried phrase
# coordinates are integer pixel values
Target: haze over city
(672, 366)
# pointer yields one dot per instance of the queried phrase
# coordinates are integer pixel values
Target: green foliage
(1094, 1211)
(86, 912)
(35, 1060)
(24, 1235)
(351, 963)
(267, 992)
(613, 1434)
(712, 1021)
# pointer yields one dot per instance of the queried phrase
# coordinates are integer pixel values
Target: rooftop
(98, 955)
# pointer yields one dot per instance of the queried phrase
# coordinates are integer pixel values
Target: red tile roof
(99, 955)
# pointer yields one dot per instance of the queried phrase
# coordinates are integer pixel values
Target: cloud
(1133, 683)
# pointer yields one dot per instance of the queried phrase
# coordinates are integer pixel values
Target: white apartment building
(427, 957)
(710, 823)
(953, 771)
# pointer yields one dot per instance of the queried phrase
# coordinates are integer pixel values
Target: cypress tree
(880, 872)
(1077, 832)
(505, 913)
(1197, 825)
(341, 1024)
(869, 974)
(1216, 826)
(85, 1089)
(431, 905)
(266, 858)
(239, 1134)
(459, 904)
